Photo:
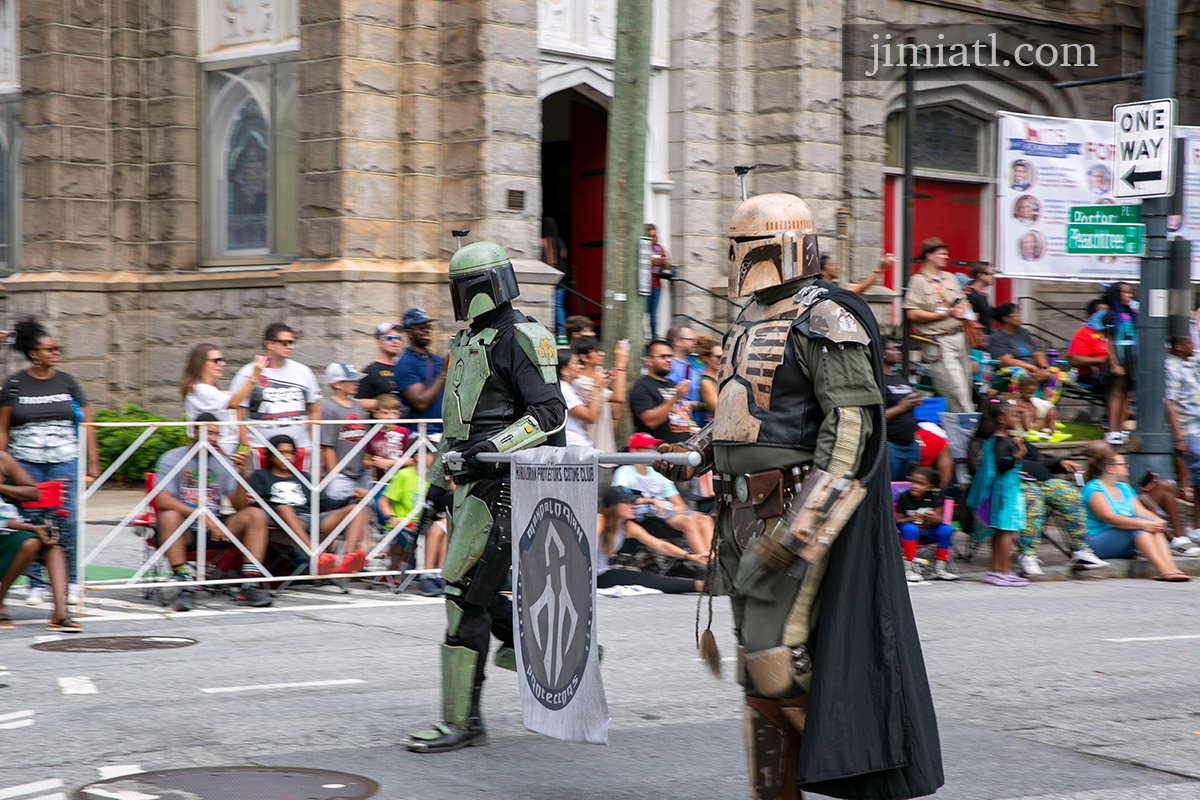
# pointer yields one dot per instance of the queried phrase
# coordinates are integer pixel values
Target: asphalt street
(1070, 690)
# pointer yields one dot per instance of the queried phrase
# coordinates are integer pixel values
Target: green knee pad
(471, 522)
(454, 615)
(458, 681)
(506, 658)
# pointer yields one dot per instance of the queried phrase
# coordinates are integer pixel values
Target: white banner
(1049, 164)
(554, 593)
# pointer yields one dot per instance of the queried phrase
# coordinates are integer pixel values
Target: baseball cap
(617, 494)
(415, 316)
(641, 440)
(386, 327)
(341, 371)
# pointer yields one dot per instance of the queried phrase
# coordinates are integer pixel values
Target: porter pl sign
(1145, 149)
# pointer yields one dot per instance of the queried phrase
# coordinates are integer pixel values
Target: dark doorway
(574, 144)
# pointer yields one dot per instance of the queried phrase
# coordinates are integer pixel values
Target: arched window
(944, 139)
(250, 175)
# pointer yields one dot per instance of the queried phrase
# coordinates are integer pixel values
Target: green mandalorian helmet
(481, 278)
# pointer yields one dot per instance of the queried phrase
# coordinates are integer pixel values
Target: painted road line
(120, 616)
(262, 686)
(118, 771)
(30, 788)
(17, 719)
(1155, 638)
(82, 685)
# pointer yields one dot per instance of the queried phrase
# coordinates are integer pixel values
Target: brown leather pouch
(766, 493)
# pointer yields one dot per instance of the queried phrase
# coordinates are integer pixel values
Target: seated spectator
(995, 496)
(381, 373)
(279, 487)
(1087, 352)
(1017, 356)
(178, 498)
(389, 444)
(1160, 496)
(1117, 521)
(1036, 416)
(901, 399)
(621, 537)
(397, 502)
(23, 544)
(932, 440)
(579, 413)
(660, 499)
(658, 404)
(919, 515)
(609, 384)
(338, 440)
(1120, 324)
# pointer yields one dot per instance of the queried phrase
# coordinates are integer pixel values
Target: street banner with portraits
(554, 541)
(1047, 165)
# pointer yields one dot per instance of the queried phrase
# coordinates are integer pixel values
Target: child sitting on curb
(919, 517)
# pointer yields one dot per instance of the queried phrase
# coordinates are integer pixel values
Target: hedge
(114, 441)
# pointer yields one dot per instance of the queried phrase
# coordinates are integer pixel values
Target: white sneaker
(36, 596)
(1114, 437)
(73, 594)
(1194, 535)
(941, 571)
(912, 572)
(1087, 559)
(1030, 565)
(1180, 544)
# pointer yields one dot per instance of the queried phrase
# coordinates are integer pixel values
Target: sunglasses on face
(52, 349)
(285, 342)
(391, 338)
(217, 360)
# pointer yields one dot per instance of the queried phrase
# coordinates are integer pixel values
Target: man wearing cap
(380, 375)
(935, 305)
(420, 374)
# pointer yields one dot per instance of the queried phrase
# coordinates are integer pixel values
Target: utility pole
(906, 232)
(624, 181)
(1155, 443)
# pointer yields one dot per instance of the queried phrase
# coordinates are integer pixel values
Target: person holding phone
(204, 367)
(420, 373)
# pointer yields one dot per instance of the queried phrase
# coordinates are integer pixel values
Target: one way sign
(1145, 160)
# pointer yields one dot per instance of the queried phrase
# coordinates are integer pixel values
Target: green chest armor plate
(468, 372)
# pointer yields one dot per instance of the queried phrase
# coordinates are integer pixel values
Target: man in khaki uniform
(935, 305)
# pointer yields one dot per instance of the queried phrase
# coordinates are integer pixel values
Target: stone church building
(181, 171)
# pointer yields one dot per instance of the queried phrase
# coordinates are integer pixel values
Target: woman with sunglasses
(201, 395)
(39, 427)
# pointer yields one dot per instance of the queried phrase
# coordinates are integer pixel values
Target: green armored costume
(501, 395)
(836, 699)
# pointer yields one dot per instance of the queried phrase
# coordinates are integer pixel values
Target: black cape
(870, 730)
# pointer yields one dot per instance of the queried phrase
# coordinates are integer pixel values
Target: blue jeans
(900, 456)
(1113, 542)
(560, 310)
(652, 310)
(61, 471)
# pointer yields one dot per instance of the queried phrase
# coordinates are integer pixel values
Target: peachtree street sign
(1105, 239)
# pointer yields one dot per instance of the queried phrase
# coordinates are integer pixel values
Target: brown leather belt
(768, 492)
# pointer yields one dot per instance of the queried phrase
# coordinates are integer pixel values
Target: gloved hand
(477, 469)
(676, 472)
(437, 500)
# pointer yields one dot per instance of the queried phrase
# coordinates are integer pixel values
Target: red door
(947, 209)
(589, 143)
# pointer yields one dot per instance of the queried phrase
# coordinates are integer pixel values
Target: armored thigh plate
(470, 524)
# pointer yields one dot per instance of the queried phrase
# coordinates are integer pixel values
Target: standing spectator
(421, 374)
(178, 498)
(1017, 356)
(554, 253)
(654, 397)
(1119, 325)
(683, 339)
(1183, 415)
(1087, 352)
(903, 448)
(39, 427)
(201, 395)
(830, 271)
(338, 440)
(977, 324)
(660, 267)
(286, 393)
(935, 306)
(1117, 521)
(996, 496)
(579, 325)
(579, 413)
(380, 375)
(610, 385)
(709, 351)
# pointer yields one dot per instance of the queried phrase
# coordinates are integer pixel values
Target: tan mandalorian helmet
(772, 240)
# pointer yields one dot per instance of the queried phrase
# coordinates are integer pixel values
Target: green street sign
(1105, 240)
(1105, 215)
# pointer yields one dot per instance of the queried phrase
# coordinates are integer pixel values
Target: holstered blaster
(819, 511)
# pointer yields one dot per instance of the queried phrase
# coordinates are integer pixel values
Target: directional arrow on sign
(1133, 177)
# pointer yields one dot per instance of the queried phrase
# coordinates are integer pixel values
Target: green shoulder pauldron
(537, 343)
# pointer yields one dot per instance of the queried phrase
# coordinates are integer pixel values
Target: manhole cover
(234, 783)
(113, 644)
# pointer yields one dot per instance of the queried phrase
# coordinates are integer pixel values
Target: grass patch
(1083, 431)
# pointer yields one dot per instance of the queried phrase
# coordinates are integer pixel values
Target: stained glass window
(943, 139)
(246, 180)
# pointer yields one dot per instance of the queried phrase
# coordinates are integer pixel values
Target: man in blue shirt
(682, 339)
(420, 374)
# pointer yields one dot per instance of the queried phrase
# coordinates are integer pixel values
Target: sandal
(65, 624)
(1173, 577)
(6, 623)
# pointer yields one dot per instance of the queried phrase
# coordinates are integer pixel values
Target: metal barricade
(200, 449)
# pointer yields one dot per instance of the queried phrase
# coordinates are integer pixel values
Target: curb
(1118, 568)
